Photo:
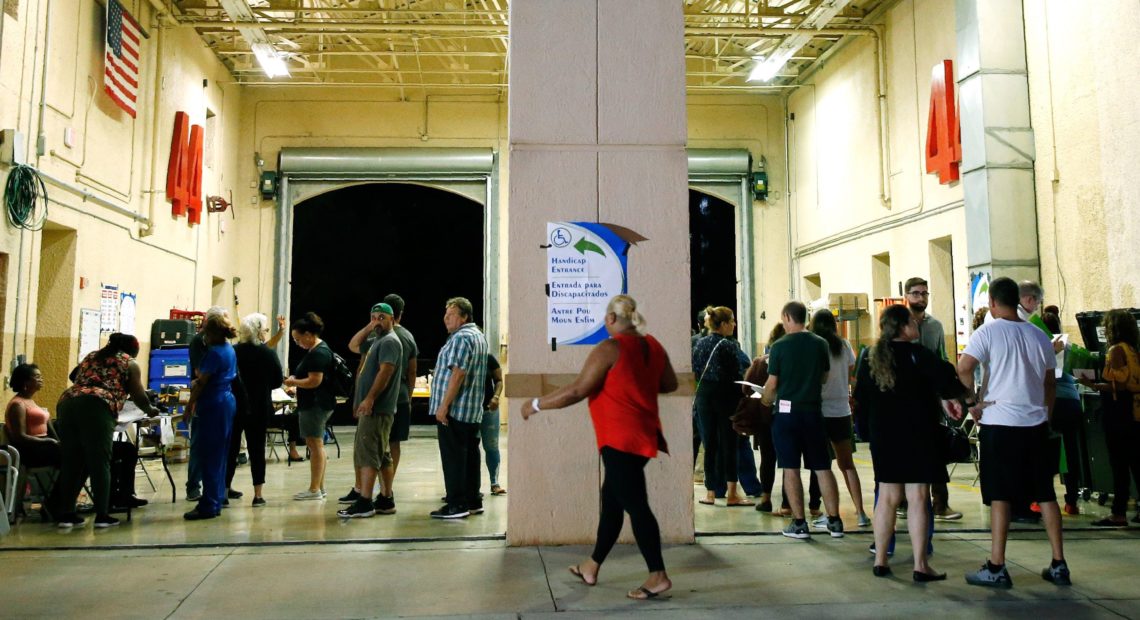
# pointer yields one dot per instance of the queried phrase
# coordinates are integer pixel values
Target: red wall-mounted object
(184, 172)
(943, 131)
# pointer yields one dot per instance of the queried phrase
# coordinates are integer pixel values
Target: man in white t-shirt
(1014, 412)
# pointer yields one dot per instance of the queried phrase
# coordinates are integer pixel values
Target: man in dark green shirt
(797, 369)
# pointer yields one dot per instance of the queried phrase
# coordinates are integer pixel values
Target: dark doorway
(712, 253)
(353, 246)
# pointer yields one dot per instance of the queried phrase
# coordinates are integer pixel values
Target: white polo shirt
(1016, 356)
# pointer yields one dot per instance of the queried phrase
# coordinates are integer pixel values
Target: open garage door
(470, 172)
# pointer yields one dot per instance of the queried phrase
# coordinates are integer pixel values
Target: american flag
(121, 72)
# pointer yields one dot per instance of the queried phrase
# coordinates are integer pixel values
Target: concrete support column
(997, 139)
(597, 133)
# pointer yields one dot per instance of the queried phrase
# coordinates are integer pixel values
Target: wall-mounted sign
(108, 309)
(979, 291)
(943, 131)
(585, 268)
(184, 172)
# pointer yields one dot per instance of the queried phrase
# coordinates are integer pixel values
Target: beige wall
(839, 217)
(1083, 94)
(119, 159)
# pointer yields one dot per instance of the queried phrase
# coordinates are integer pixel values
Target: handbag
(955, 444)
(752, 416)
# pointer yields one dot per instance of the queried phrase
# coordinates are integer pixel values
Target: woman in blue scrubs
(212, 402)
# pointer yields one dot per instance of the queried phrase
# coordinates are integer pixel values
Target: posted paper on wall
(586, 267)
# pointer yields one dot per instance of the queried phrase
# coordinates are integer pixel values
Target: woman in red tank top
(621, 378)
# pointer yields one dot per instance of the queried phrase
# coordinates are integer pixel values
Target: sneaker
(900, 512)
(872, 551)
(764, 506)
(1057, 575)
(307, 495)
(197, 515)
(798, 531)
(360, 509)
(350, 498)
(106, 521)
(984, 577)
(258, 502)
(226, 503)
(1110, 522)
(384, 505)
(193, 496)
(232, 494)
(1072, 510)
(947, 515)
(819, 524)
(476, 509)
(835, 527)
(450, 512)
(71, 520)
(863, 521)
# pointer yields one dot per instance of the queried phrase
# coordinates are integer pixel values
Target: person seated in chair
(27, 423)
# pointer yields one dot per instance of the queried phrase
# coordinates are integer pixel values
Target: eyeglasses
(919, 293)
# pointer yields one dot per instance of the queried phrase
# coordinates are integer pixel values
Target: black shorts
(402, 425)
(1016, 465)
(839, 430)
(799, 435)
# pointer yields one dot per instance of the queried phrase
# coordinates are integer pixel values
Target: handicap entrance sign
(585, 268)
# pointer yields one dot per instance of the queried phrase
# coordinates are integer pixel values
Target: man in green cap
(377, 389)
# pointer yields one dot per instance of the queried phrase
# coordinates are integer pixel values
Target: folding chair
(971, 429)
(10, 471)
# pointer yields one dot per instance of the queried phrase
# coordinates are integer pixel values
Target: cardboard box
(847, 301)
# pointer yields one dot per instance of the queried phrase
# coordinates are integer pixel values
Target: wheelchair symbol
(560, 238)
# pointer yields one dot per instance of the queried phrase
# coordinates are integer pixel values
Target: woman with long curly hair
(1121, 430)
(900, 387)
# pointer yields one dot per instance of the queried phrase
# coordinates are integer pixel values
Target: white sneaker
(820, 523)
(309, 495)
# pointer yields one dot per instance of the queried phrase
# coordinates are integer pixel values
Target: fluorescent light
(270, 60)
(767, 67)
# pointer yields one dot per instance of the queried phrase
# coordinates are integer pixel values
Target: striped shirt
(465, 349)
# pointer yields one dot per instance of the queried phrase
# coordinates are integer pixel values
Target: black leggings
(623, 490)
(254, 428)
(1121, 433)
(767, 449)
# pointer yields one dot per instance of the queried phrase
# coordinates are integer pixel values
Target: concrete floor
(419, 486)
(734, 577)
(297, 560)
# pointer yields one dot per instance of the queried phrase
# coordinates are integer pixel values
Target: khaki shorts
(371, 446)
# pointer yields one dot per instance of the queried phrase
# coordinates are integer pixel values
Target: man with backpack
(377, 390)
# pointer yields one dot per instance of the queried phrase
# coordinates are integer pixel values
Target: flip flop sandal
(741, 503)
(645, 594)
(577, 572)
(706, 502)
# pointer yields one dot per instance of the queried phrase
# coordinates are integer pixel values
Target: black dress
(906, 442)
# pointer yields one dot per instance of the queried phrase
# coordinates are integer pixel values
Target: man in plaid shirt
(457, 403)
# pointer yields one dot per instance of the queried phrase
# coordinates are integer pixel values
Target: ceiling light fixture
(768, 66)
(270, 59)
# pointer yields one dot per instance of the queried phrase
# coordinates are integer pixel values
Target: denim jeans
(489, 431)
